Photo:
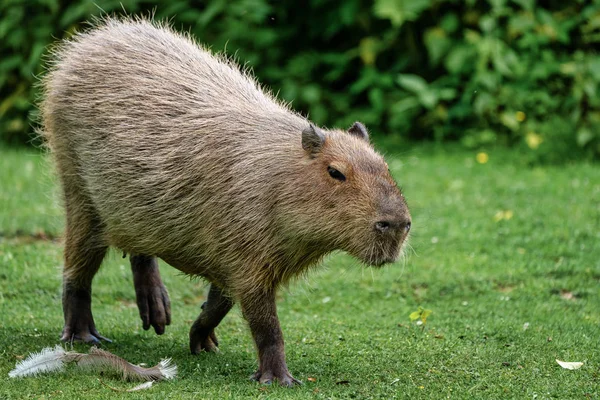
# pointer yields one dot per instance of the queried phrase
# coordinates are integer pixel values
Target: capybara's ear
(312, 140)
(359, 131)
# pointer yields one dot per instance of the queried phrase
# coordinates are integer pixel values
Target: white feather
(145, 385)
(169, 371)
(55, 359)
(47, 360)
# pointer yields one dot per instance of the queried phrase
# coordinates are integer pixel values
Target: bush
(480, 72)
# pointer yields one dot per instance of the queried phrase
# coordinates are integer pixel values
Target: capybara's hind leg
(202, 334)
(150, 292)
(84, 251)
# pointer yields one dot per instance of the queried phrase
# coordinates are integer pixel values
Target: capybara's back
(147, 128)
(165, 150)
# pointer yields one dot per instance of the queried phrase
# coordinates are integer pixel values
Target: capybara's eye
(335, 174)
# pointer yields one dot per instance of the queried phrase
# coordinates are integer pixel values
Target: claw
(87, 337)
(200, 341)
(267, 378)
(151, 294)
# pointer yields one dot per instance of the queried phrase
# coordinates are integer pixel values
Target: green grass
(484, 276)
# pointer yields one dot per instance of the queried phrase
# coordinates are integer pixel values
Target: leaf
(311, 93)
(450, 23)
(377, 99)
(420, 315)
(368, 49)
(509, 120)
(404, 105)
(52, 5)
(458, 60)
(412, 83)
(447, 93)
(428, 99)
(424, 314)
(533, 140)
(584, 136)
(75, 13)
(400, 11)
(437, 44)
(570, 365)
(526, 4)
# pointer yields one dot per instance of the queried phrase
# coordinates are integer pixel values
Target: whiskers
(403, 258)
(407, 246)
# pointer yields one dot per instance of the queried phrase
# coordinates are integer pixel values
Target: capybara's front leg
(202, 334)
(150, 292)
(261, 313)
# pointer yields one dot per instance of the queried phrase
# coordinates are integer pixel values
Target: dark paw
(201, 341)
(284, 378)
(155, 307)
(85, 335)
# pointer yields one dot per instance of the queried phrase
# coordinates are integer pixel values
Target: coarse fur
(167, 150)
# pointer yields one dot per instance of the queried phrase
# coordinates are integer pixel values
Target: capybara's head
(351, 199)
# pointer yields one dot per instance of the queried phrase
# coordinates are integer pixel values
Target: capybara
(165, 150)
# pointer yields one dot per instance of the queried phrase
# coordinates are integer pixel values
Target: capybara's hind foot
(203, 340)
(282, 376)
(202, 333)
(87, 335)
(79, 322)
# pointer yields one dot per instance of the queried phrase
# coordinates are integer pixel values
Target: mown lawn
(506, 256)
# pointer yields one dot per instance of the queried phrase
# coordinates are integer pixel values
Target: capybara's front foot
(282, 375)
(203, 339)
(154, 306)
(150, 293)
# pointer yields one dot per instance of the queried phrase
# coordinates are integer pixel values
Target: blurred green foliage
(524, 73)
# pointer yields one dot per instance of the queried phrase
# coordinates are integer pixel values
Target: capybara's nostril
(382, 226)
(387, 226)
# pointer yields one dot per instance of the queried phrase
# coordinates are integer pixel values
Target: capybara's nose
(392, 225)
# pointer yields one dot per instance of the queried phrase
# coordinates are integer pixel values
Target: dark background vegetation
(521, 73)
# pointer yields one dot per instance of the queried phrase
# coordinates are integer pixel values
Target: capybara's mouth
(380, 254)
(380, 262)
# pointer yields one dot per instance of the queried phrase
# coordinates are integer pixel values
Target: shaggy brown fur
(165, 150)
